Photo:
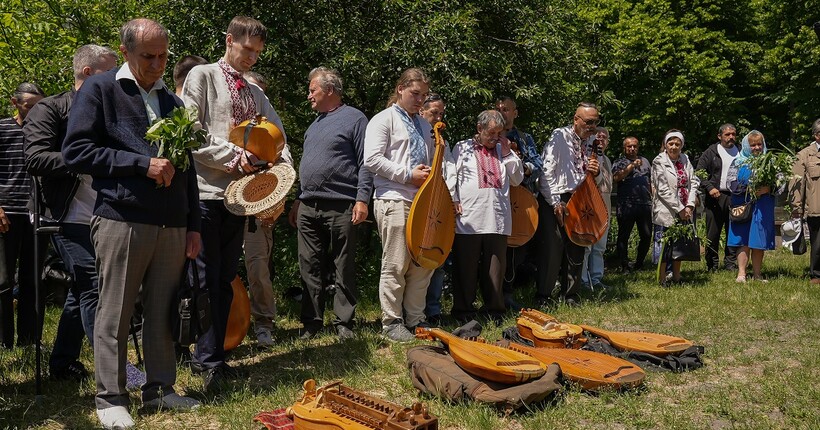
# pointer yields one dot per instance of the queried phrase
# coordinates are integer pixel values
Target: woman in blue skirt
(757, 234)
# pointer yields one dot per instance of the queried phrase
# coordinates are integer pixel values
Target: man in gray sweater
(335, 189)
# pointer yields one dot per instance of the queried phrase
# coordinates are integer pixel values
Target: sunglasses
(595, 121)
(432, 98)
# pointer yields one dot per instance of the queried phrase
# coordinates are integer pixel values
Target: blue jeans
(217, 263)
(593, 270)
(434, 290)
(75, 248)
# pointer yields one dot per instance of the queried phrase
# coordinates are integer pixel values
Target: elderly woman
(756, 235)
(485, 168)
(674, 198)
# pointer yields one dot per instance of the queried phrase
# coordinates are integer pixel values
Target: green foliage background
(650, 64)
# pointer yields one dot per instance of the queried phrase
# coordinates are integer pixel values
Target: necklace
(337, 107)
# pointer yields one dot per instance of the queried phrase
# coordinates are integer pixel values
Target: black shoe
(214, 378)
(309, 332)
(75, 371)
(510, 303)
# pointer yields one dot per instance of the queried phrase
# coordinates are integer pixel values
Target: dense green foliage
(651, 64)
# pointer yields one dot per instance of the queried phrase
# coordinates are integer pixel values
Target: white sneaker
(264, 339)
(173, 402)
(116, 417)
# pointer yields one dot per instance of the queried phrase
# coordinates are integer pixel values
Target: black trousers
(717, 222)
(814, 239)
(557, 255)
(327, 242)
(17, 259)
(630, 216)
(479, 260)
(217, 263)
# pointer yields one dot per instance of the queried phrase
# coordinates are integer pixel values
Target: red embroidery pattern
(683, 183)
(489, 167)
(243, 107)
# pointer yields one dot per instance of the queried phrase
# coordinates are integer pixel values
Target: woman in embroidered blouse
(674, 197)
(756, 235)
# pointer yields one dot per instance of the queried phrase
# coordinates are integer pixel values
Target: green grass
(761, 360)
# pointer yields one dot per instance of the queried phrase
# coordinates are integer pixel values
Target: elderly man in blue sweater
(146, 218)
(334, 190)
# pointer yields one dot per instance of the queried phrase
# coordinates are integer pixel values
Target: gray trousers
(258, 246)
(130, 255)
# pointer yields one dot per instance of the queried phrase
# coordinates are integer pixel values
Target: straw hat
(790, 232)
(261, 194)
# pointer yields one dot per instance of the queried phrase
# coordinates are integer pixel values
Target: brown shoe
(815, 281)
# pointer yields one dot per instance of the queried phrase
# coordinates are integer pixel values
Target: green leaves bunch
(175, 135)
(771, 169)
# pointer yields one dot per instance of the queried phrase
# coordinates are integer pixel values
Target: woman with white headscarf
(674, 198)
(757, 234)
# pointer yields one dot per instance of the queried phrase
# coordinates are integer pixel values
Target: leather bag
(741, 214)
(191, 313)
(688, 248)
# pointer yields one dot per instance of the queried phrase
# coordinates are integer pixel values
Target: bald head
(586, 120)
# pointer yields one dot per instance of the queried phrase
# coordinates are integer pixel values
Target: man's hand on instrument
(592, 167)
(294, 213)
(5, 224)
(714, 193)
(637, 163)
(560, 210)
(161, 171)
(247, 163)
(419, 174)
(359, 213)
(457, 208)
(505, 146)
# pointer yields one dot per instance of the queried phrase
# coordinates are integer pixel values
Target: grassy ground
(761, 364)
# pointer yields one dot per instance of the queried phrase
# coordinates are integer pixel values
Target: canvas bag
(433, 371)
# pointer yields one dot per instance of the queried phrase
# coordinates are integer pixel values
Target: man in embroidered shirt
(524, 147)
(593, 270)
(566, 164)
(223, 99)
(146, 218)
(484, 169)
(716, 161)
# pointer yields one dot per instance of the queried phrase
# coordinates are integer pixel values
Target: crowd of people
(130, 219)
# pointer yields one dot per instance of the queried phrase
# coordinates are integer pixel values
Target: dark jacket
(106, 139)
(711, 162)
(45, 129)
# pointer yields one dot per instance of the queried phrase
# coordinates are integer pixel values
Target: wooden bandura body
(338, 407)
(524, 216)
(239, 317)
(260, 137)
(431, 224)
(650, 343)
(591, 370)
(544, 331)
(587, 217)
(487, 361)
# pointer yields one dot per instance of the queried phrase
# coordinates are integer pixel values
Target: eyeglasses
(432, 98)
(590, 122)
